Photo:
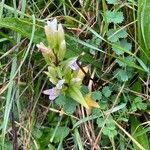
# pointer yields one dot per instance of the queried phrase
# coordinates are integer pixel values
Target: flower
(46, 52)
(60, 84)
(53, 93)
(52, 24)
(56, 39)
(43, 48)
(73, 64)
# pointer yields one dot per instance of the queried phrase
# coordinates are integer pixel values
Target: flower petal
(73, 64)
(60, 84)
(52, 24)
(53, 93)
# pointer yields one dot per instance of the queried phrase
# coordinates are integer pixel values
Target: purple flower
(60, 84)
(73, 64)
(53, 93)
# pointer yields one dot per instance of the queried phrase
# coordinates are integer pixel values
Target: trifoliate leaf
(96, 95)
(114, 35)
(114, 17)
(122, 44)
(106, 91)
(111, 1)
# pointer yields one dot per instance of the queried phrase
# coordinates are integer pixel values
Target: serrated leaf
(138, 104)
(121, 75)
(111, 1)
(128, 58)
(97, 95)
(100, 122)
(106, 91)
(123, 44)
(114, 17)
(115, 34)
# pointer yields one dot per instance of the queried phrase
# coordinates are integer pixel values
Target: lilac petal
(53, 93)
(73, 65)
(60, 84)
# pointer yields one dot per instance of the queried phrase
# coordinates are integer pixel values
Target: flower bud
(62, 50)
(47, 53)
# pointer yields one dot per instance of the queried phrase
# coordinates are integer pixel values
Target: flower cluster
(64, 74)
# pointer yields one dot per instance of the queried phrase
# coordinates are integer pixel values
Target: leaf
(114, 17)
(100, 122)
(142, 138)
(128, 58)
(144, 29)
(70, 105)
(138, 104)
(60, 100)
(75, 93)
(106, 91)
(111, 1)
(91, 103)
(123, 44)
(97, 95)
(109, 133)
(115, 34)
(61, 133)
(121, 75)
(24, 27)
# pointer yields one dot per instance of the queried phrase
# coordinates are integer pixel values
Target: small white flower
(52, 24)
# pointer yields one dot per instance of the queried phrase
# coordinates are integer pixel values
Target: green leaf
(106, 91)
(60, 100)
(75, 93)
(142, 138)
(70, 105)
(123, 44)
(121, 75)
(128, 58)
(115, 34)
(37, 133)
(96, 95)
(111, 1)
(138, 104)
(24, 27)
(100, 122)
(109, 133)
(61, 133)
(114, 17)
